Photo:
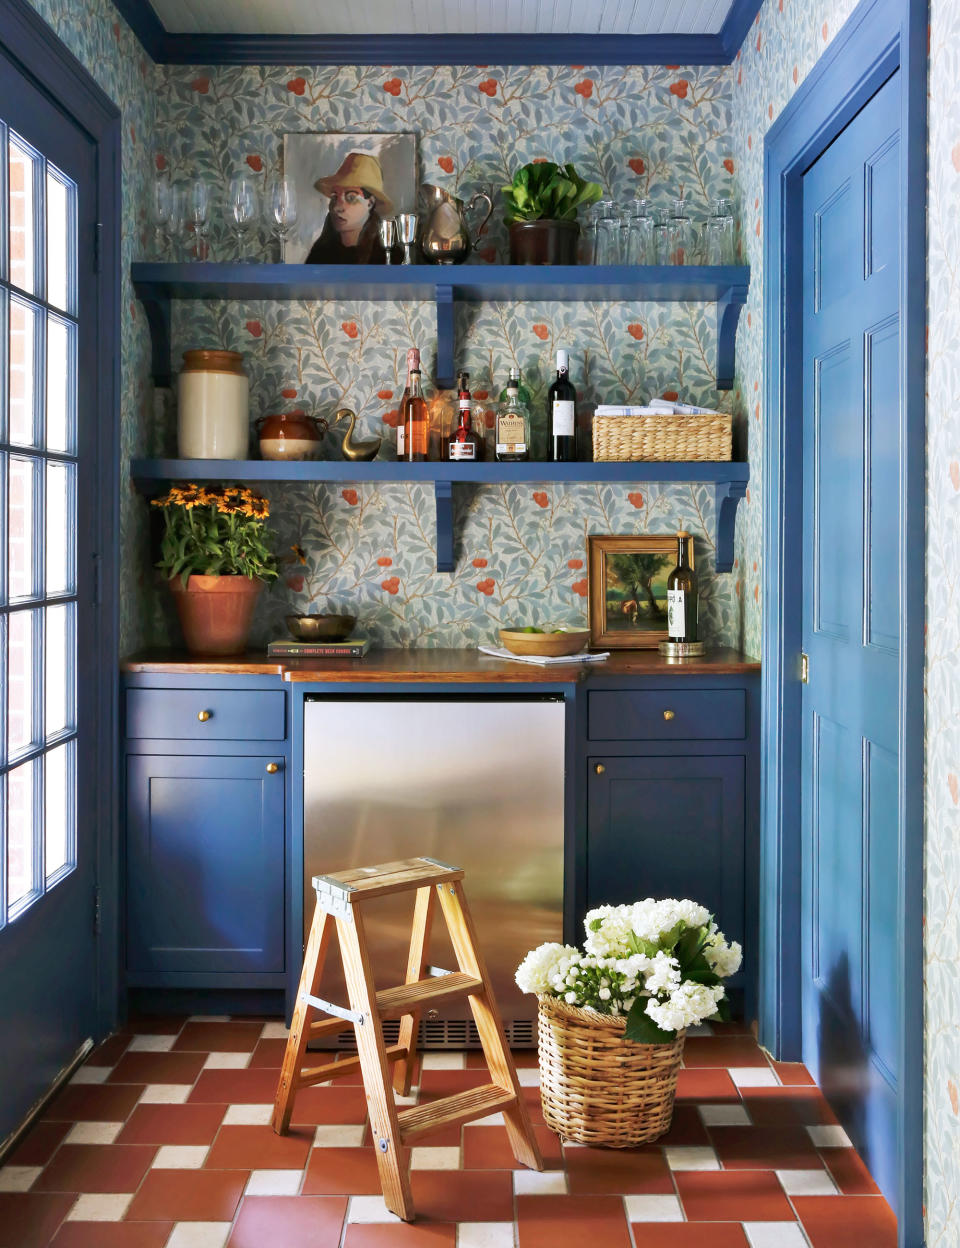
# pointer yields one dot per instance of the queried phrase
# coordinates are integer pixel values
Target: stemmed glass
(406, 223)
(161, 209)
(243, 205)
(283, 208)
(198, 215)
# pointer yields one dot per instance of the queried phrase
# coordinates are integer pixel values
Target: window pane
(58, 698)
(58, 807)
(20, 833)
(61, 385)
(20, 680)
(20, 532)
(61, 573)
(61, 239)
(23, 343)
(22, 171)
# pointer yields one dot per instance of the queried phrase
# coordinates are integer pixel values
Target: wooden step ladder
(339, 899)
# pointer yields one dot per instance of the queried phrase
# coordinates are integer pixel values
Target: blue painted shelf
(445, 285)
(728, 479)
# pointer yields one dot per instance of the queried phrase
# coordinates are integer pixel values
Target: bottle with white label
(682, 598)
(464, 442)
(562, 413)
(513, 424)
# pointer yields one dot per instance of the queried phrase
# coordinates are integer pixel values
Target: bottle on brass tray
(413, 427)
(464, 442)
(682, 598)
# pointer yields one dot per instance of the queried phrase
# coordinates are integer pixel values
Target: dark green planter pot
(544, 242)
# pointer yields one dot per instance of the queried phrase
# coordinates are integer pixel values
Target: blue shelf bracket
(727, 498)
(157, 309)
(443, 493)
(446, 348)
(729, 307)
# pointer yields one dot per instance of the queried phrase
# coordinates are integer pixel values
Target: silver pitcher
(444, 234)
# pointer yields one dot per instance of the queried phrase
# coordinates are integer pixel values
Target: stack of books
(354, 648)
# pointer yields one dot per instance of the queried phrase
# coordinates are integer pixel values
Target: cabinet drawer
(207, 714)
(668, 715)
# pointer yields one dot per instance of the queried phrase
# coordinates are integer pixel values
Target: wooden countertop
(437, 667)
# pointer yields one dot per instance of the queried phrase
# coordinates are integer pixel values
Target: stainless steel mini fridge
(474, 781)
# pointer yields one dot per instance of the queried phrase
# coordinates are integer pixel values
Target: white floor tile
(434, 1158)
(529, 1077)
(653, 1209)
(199, 1235)
(444, 1060)
(273, 1183)
(829, 1137)
(807, 1182)
(338, 1137)
(100, 1208)
(753, 1077)
(367, 1209)
(93, 1133)
(151, 1044)
(90, 1074)
(209, 1018)
(248, 1116)
(491, 1120)
(700, 1158)
(18, 1178)
(165, 1093)
(724, 1115)
(539, 1183)
(407, 1100)
(484, 1235)
(180, 1156)
(775, 1235)
(227, 1061)
(274, 1031)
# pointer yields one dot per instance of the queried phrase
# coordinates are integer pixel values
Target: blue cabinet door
(668, 827)
(205, 867)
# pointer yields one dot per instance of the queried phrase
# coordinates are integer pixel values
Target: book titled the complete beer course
(354, 648)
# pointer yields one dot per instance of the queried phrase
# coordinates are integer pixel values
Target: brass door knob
(599, 769)
(273, 768)
(203, 716)
(669, 714)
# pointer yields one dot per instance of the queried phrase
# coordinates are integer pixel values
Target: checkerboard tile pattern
(163, 1141)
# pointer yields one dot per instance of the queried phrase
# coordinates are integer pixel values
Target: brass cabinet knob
(273, 768)
(599, 769)
(669, 714)
(203, 716)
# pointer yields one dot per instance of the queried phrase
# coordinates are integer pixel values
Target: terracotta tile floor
(162, 1140)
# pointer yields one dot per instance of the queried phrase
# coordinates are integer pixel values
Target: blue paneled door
(851, 482)
(48, 318)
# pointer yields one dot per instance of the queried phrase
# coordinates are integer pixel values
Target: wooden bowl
(545, 645)
(321, 627)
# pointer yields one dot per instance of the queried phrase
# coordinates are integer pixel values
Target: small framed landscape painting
(346, 184)
(628, 589)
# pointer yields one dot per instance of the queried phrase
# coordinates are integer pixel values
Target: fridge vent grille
(454, 1033)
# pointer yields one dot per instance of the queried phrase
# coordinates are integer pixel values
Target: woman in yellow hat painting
(358, 202)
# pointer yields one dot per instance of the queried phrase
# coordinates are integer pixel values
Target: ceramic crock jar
(290, 435)
(213, 420)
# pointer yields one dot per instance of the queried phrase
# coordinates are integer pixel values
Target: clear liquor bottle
(513, 425)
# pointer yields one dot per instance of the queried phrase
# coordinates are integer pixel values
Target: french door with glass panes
(48, 474)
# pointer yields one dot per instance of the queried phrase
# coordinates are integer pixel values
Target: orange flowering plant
(216, 531)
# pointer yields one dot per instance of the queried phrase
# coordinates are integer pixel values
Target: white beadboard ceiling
(443, 17)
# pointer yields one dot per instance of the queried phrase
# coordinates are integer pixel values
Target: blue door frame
(879, 37)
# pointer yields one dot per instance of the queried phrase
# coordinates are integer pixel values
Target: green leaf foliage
(546, 191)
(214, 532)
(642, 1028)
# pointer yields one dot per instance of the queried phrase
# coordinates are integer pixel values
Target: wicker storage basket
(625, 438)
(598, 1088)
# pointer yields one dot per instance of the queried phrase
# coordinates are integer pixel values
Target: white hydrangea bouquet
(659, 963)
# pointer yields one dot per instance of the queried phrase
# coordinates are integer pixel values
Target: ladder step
(336, 1070)
(393, 1002)
(464, 1107)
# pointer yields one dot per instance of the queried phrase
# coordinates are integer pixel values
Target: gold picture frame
(627, 578)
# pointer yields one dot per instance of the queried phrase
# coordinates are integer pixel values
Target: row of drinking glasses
(182, 213)
(639, 233)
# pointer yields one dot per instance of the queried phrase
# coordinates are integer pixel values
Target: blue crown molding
(413, 49)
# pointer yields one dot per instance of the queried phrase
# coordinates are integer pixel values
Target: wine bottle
(561, 413)
(682, 597)
(414, 418)
(413, 361)
(464, 443)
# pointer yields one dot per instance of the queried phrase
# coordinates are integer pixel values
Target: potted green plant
(541, 210)
(215, 557)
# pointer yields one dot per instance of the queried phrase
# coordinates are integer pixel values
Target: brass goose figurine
(354, 448)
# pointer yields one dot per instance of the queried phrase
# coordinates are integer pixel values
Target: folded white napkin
(544, 660)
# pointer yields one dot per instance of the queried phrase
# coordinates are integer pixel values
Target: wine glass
(177, 220)
(161, 206)
(283, 208)
(243, 207)
(198, 215)
(388, 230)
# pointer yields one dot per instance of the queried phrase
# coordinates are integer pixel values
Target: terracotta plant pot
(215, 612)
(544, 242)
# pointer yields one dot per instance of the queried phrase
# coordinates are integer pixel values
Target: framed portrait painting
(628, 589)
(346, 184)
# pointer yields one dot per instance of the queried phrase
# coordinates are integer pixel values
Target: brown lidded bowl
(544, 645)
(289, 435)
(321, 627)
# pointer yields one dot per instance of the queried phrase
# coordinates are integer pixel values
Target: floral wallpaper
(651, 131)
